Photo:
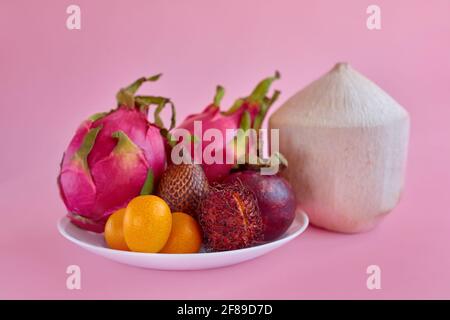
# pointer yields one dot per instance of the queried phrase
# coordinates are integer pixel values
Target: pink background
(52, 78)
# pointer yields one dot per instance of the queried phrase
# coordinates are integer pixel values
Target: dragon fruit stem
(267, 103)
(260, 92)
(220, 92)
(246, 121)
(158, 110)
(145, 101)
(125, 96)
(257, 96)
(236, 106)
(134, 87)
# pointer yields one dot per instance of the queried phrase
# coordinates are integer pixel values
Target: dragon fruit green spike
(113, 157)
(246, 113)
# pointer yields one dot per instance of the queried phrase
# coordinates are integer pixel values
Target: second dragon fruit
(248, 112)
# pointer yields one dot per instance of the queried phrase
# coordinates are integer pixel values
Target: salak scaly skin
(230, 218)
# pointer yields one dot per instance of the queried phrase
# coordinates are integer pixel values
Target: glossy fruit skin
(114, 170)
(147, 224)
(230, 218)
(182, 187)
(114, 231)
(276, 200)
(186, 235)
(110, 158)
(252, 108)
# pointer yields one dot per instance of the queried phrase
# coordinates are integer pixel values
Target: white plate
(95, 243)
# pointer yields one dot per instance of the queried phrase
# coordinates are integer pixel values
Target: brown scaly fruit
(230, 218)
(182, 186)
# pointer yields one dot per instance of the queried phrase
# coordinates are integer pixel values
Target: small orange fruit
(147, 224)
(186, 235)
(114, 231)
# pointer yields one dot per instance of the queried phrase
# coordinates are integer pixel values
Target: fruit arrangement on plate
(117, 177)
(121, 176)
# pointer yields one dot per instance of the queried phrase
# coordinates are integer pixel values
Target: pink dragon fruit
(113, 157)
(248, 112)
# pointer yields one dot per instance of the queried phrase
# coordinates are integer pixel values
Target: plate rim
(64, 221)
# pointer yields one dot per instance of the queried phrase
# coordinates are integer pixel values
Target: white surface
(95, 243)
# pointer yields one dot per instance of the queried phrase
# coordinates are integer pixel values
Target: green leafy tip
(124, 144)
(260, 92)
(235, 107)
(147, 188)
(266, 104)
(246, 121)
(86, 146)
(125, 96)
(220, 92)
(97, 116)
(145, 101)
(134, 87)
(279, 158)
(258, 96)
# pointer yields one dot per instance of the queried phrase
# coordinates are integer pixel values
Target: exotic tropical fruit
(112, 158)
(246, 113)
(346, 140)
(147, 224)
(230, 218)
(276, 200)
(114, 231)
(182, 186)
(185, 236)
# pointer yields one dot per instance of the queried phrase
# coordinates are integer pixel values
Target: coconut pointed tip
(341, 66)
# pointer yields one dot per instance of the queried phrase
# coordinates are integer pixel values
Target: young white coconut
(346, 142)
